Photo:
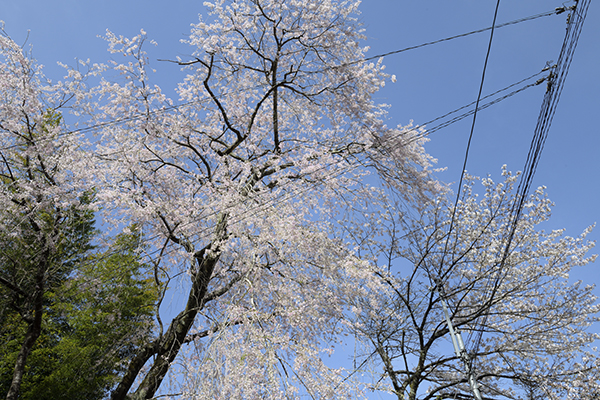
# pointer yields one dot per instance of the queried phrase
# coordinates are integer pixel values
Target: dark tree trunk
(167, 348)
(33, 332)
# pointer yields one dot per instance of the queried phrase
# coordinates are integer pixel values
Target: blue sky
(430, 81)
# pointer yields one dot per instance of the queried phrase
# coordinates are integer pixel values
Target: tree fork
(167, 347)
(176, 334)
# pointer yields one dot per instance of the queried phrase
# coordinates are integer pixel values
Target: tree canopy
(92, 322)
(526, 326)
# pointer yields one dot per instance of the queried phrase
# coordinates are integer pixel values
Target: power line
(430, 130)
(349, 166)
(462, 173)
(516, 21)
(554, 89)
(437, 127)
(176, 107)
(461, 352)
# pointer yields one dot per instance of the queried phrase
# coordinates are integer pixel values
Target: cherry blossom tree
(525, 325)
(236, 187)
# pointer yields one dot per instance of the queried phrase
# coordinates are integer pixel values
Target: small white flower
(393, 78)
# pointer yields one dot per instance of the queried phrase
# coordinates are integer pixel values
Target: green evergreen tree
(92, 320)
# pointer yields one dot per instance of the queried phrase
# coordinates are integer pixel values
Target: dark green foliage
(101, 310)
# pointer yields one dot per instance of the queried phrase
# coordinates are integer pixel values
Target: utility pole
(459, 345)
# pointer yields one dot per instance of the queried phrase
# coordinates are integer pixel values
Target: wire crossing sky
(555, 82)
(175, 107)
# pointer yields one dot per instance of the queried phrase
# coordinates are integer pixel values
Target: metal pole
(459, 347)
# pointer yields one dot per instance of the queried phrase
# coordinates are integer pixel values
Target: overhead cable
(142, 115)
(555, 86)
(516, 21)
(468, 147)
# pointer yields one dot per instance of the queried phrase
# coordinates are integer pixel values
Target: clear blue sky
(431, 80)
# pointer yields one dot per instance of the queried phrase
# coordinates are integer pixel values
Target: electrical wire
(430, 130)
(466, 157)
(516, 21)
(554, 89)
(437, 279)
(416, 137)
(443, 125)
(142, 115)
(176, 107)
